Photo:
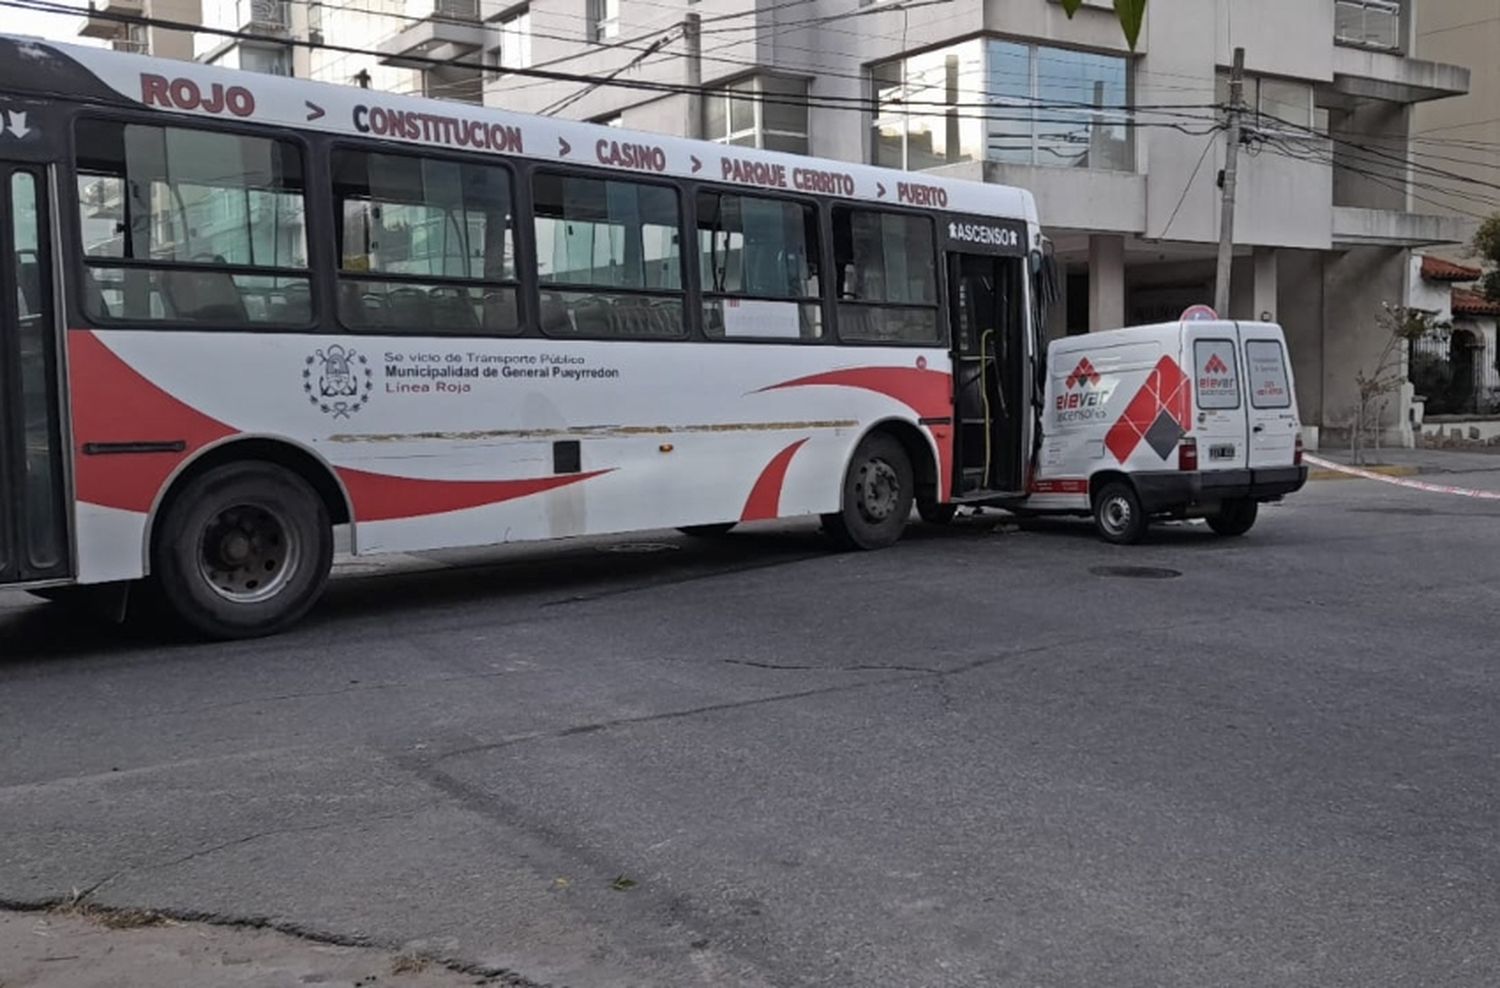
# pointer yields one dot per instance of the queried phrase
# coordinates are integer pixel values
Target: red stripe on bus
(115, 403)
(765, 497)
(381, 497)
(928, 393)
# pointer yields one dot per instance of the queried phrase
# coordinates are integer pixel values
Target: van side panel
(1093, 416)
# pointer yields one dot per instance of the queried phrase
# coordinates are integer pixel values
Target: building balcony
(108, 28)
(1356, 226)
(1363, 73)
(448, 29)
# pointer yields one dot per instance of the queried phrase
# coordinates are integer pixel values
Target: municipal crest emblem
(339, 380)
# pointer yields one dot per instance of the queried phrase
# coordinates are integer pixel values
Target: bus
(247, 321)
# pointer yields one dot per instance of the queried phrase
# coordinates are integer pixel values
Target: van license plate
(1221, 452)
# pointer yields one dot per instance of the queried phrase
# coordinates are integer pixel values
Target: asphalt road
(968, 760)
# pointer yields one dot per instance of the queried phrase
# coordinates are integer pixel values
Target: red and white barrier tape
(1417, 485)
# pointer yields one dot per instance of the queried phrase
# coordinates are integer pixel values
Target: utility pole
(1231, 168)
(692, 40)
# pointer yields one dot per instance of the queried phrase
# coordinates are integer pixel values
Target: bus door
(33, 529)
(987, 302)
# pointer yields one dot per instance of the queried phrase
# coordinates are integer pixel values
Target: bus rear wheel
(244, 550)
(878, 495)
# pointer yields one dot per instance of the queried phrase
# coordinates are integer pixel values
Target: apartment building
(1461, 135)
(1117, 145)
(108, 22)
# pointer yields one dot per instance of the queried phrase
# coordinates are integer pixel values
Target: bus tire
(1234, 517)
(879, 488)
(714, 531)
(244, 550)
(1118, 514)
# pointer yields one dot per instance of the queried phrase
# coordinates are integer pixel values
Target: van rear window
(1217, 381)
(1268, 384)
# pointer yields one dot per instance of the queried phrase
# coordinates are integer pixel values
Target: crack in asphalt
(497, 975)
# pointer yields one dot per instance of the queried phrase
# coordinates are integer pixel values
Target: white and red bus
(245, 320)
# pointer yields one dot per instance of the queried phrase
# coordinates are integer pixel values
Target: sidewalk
(1419, 461)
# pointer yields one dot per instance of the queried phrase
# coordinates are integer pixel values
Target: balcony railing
(1372, 24)
(457, 10)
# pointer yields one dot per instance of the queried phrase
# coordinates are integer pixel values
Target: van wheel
(1234, 517)
(1118, 514)
(714, 531)
(244, 550)
(878, 494)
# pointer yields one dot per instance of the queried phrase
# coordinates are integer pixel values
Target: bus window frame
(939, 261)
(692, 328)
(77, 263)
(822, 214)
(520, 247)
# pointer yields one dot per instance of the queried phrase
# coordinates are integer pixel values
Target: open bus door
(992, 405)
(33, 527)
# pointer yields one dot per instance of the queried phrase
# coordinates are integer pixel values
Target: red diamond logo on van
(1160, 409)
(1084, 372)
(1215, 365)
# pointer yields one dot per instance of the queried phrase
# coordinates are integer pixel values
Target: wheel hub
(248, 553)
(879, 490)
(1116, 514)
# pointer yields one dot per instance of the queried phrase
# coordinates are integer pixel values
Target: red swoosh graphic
(764, 501)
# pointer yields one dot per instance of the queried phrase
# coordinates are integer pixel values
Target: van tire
(1234, 517)
(1118, 514)
(879, 488)
(244, 550)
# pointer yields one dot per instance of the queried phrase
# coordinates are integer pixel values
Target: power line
(856, 103)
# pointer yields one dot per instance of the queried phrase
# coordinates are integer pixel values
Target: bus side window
(759, 261)
(608, 257)
(887, 277)
(425, 245)
(191, 227)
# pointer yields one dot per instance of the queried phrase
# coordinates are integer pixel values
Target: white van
(1177, 420)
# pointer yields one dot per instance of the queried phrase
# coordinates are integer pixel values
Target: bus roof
(47, 68)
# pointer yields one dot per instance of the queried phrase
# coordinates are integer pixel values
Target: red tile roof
(1437, 269)
(1467, 303)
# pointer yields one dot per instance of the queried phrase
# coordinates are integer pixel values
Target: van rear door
(1273, 406)
(1218, 398)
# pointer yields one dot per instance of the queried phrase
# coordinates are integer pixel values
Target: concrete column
(1106, 283)
(1264, 293)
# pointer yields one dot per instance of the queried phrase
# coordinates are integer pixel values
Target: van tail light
(1187, 454)
(1297, 452)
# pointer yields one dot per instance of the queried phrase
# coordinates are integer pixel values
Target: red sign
(1199, 313)
(622, 154)
(185, 94)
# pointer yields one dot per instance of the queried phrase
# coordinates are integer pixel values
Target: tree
(1487, 246)
(1130, 12)
(1402, 326)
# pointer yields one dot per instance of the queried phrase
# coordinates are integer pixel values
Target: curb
(1385, 471)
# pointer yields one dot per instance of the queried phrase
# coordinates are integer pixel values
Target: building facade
(1462, 135)
(1122, 148)
(1119, 146)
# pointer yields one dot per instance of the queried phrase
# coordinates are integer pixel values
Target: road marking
(1416, 485)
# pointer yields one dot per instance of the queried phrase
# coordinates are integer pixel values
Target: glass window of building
(759, 112)
(515, 39)
(989, 99)
(604, 19)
